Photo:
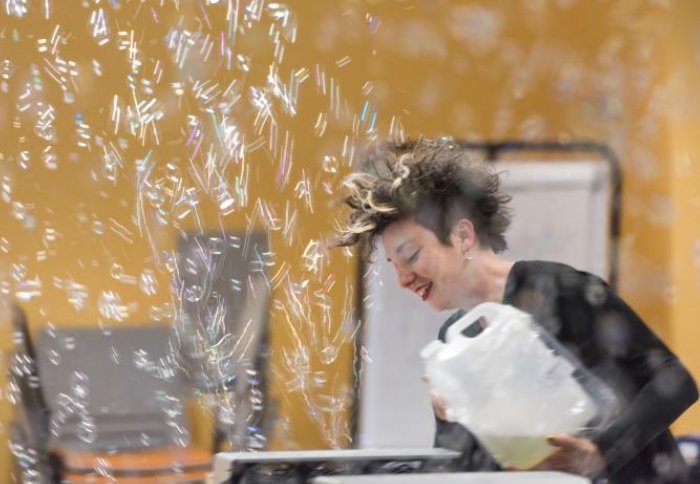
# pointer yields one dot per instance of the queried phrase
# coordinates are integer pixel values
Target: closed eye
(414, 257)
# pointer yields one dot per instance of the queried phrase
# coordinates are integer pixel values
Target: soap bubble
(7, 69)
(87, 431)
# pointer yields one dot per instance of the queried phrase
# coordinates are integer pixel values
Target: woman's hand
(577, 455)
(439, 405)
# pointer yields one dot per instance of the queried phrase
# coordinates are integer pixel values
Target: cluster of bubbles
(220, 69)
(198, 115)
(73, 406)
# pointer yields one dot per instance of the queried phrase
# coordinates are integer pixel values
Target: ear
(465, 234)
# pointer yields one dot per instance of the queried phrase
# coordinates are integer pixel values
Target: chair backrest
(226, 272)
(222, 330)
(256, 313)
(115, 388)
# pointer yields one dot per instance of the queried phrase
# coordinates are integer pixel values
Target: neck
(490, 272)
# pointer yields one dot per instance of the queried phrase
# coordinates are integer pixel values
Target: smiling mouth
(424, 291)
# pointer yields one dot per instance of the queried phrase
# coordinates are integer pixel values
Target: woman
(441, 218)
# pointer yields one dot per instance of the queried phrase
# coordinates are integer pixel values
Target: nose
(406, 278)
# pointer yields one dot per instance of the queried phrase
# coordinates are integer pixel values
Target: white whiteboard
(560, 213)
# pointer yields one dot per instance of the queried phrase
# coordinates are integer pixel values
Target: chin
(436, 305)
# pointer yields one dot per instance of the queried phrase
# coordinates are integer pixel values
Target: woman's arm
(662, 387)
(666, 388)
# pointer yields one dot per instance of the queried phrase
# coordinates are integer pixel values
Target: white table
(458, 478)
(228, 464)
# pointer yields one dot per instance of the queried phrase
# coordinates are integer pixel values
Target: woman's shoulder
(541, 269)
(551, 278)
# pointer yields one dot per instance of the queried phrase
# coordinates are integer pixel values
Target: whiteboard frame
(494, 152)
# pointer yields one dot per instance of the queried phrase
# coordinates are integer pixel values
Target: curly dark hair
(435, 183)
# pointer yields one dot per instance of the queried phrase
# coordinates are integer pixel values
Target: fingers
(564, 441)
(439, 405)
(574, 454)
(559, 461)
(557, 465)
(577, 455)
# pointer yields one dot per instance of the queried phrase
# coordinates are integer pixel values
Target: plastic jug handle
(479, 311)
(430, 349)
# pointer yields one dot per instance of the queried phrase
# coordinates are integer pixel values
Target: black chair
(122, 382)
(29, 434)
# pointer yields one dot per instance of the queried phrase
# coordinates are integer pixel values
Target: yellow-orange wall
(621, 72)
(684, 120)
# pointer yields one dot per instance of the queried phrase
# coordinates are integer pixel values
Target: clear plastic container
(513, 385)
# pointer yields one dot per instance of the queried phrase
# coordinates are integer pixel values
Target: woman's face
(433, 271)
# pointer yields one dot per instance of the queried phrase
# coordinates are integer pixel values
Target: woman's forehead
(402, 228)
(401, 232)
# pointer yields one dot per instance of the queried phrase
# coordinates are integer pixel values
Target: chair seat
(194, 477)
(137, 463)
